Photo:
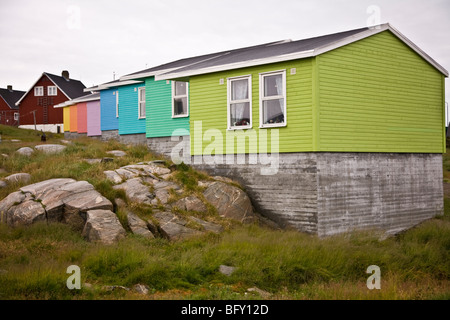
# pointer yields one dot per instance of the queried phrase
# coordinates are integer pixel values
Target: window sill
(139, 118)
(239, 128)
(181, 116)
(269, 126)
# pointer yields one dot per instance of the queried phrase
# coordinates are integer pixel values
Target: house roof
(288, 51)
(70, 88)
(112, 84)
(89, 97)
(167, 67)
(11, 97)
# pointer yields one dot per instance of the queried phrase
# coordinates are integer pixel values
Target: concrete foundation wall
(73, 135)
(110, 134)
(387, 191)
(138, 138)
(175, 148)
(331, 193)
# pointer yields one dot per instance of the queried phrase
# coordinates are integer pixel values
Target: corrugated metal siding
(159, 110)
(81, 117)
(73, 119)
(109, 121)
(377, 95)
(129, 122)
(208, 103)
(93, 118)
(66, 118)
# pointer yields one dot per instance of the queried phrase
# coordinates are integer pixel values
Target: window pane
(239, 89)
(180, 88)
(180, 106)
(240, 114)
(142, 109)
(273, 111)
(142, 94)
(273, 85)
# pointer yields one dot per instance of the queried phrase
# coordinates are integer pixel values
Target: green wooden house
(328, 134)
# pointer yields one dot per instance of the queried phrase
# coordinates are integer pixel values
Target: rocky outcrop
(230, 201)
(191, 203)
(55, 200)
(103, 226)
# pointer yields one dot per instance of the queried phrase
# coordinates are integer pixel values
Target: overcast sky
(93, 39)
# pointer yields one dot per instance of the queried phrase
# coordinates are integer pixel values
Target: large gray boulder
(54, 200)
(50, 148)
(230, 201)
(103, 226)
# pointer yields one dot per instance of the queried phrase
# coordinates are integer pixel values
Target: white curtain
(240, 92)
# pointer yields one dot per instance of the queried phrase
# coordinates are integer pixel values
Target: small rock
(117, 153)
(161, 195)
(113, 288)
(106, 159)
(92, 161)
(141, 288)
(66, 141)
(4, 155)
(103, 226)
(18, 178)
(15, 140)
(226, 270)
(25, 213)
(26, 151)
(3, 184)
(262, 293)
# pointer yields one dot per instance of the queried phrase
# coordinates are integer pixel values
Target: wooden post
(34, 118)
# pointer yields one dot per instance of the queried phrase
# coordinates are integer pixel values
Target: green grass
(287, 264)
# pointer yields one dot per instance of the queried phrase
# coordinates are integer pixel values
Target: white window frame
(16, 116)
(140, 116)
(262, 99)
(38, 91)
(50, 91)
(117, 103)
(229, 101)
(177, 97)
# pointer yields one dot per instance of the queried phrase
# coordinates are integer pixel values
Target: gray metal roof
(253, 53)
(11, 97)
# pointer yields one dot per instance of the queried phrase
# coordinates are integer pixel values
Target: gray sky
(92, 39)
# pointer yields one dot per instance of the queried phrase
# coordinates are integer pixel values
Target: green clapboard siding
(377, 95)
(159, 121)
(208, 104)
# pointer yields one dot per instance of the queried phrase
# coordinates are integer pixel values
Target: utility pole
(34, 117)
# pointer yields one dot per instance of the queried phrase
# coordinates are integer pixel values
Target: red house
(37, 104)
(9, 112)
